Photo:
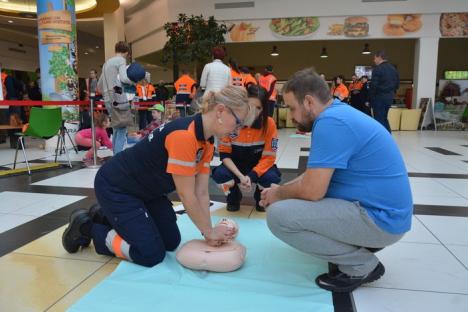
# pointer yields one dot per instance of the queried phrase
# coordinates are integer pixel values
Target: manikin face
(301, 116)
(354, 78)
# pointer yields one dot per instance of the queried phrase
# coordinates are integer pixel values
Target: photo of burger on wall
(400, 24)
(356, 26)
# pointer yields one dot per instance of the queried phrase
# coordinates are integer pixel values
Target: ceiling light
(366, 50)
(324, 53)
(86, 53)
(97, 47)
(274, 52)
(10, 21)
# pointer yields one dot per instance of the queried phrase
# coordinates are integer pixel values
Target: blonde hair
(234, 97)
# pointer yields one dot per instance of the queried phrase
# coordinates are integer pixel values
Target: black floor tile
(442, 151)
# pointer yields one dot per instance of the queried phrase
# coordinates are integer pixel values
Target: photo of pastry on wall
(354, 26)
(400, 24)
(242, 31)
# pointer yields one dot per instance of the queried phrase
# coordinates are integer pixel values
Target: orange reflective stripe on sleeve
(116, 246)
(182, 148)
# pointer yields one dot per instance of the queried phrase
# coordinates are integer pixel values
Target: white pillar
(114, 30)
(425, 69)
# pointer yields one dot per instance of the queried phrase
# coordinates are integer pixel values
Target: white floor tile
(440, 200)
(461, 252)
(419, 234)
(425, 267)
(429, 187)
(450, 230)
(43, 207)
(459, 186)
(369, 299)
(9, 221)
(81, 178)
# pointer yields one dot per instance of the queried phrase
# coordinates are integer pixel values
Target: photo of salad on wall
(294, 26)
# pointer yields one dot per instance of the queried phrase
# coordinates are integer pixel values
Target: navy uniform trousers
(148, 227)
(222, 174)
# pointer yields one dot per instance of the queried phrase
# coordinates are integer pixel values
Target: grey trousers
(331, 229)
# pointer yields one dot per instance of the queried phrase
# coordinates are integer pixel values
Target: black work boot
(257, 197)
(338, 281)
(95, 213)
(74, 235)
(234, 198)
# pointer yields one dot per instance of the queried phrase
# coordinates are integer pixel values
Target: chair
(44, 123)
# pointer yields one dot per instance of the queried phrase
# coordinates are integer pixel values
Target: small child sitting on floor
(84, 139)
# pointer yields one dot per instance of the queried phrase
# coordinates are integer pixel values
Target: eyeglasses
(239, 123)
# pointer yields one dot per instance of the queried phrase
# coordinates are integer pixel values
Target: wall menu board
(349, 27)
(456, 74)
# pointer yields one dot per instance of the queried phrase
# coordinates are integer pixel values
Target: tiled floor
(426, 271)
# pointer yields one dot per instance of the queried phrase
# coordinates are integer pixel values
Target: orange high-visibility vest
(267, 81)
(248, 80)
(148, 88)
(184, 84)
(236, 78)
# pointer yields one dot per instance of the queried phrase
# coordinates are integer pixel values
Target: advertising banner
(58, 53)
(349, 27)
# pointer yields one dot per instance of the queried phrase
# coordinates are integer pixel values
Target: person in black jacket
(162, 94)
(384, 84)
(361, 101)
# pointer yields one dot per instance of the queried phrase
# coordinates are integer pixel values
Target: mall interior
(53, 57)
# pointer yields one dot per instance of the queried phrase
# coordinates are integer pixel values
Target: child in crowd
(84, 139)
(157, 113)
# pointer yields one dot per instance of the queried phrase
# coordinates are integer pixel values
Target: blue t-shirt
(368, 165)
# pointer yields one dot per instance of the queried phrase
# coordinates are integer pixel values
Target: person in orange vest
(339, 90)
(183, 87)
(236, 75)
(248, 156)
(145, 92)
(354, 89)
(247, 77)
(268, 81)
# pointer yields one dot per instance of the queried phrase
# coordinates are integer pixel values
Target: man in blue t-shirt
(354, 198)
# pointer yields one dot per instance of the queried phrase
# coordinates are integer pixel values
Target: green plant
(191, 39)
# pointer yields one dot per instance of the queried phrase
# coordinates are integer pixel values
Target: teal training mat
(274, 277)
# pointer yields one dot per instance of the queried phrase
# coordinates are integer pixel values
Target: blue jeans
(119, 137)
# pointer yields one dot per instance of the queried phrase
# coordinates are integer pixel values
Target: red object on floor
(409, 98)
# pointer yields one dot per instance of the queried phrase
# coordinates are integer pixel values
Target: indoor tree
(191, 39)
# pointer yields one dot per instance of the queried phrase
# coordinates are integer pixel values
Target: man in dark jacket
(162, 93)
(384, 84)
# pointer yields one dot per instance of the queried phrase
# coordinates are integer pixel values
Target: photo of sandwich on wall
(356, 26)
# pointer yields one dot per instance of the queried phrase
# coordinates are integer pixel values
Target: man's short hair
(307, 82)
(122, 47)
(381, 54)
